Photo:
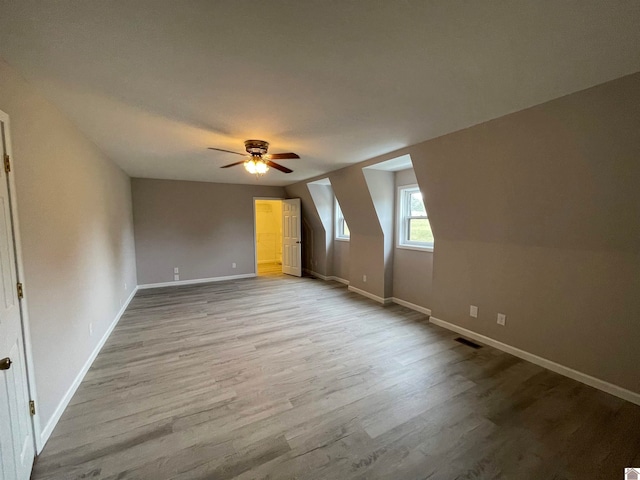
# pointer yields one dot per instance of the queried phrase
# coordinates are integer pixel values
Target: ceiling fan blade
(232, 164)
(278, 167)
(226, 151)
(282, 156)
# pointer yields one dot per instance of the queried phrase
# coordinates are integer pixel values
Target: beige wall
(269, 231)
(381, 186)
(201, 228)
(412, 269)
(76, 227)
(535, 215)
(366, 245)
(340, 264)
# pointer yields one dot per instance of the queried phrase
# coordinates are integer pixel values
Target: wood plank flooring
(274, 268)
(277, 377)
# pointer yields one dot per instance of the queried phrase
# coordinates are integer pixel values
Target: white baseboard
(378, 299)
(48, 429)
(412, 306)
(326, 277)
(338, 279)
(195, 281)
(364, 293)
(594, 382)
(315, 274)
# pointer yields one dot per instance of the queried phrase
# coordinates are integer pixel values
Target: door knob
(5, 363)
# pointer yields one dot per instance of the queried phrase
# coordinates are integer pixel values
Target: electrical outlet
(233, 265)
(91, 329)
(125, 285)
(176, 270)
(473, 311)
(502, 318)
(176, 277)
(364, 278)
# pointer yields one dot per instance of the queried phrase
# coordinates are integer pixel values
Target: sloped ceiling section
(560, 175)
(153, 83)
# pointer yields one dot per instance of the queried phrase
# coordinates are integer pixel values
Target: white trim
(594, 382)
(413, 247)
(399, 301)
(327, 278)
(315, 274)
(364, 293)
(338, 279)
(412, 306)
(48, 429)
(195, 281)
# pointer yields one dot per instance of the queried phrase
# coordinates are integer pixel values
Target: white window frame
(403, 217)
(339, 224)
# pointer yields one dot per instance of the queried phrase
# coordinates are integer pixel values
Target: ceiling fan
(257, 161)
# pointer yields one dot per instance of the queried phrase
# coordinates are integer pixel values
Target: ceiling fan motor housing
(256, 147)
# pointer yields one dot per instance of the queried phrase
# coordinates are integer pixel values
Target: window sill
(342, 239)
(415, 247)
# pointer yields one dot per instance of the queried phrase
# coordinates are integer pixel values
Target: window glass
(416, 204)
(342, 229)
(414, 229)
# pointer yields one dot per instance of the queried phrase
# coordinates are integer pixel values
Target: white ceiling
(154, 83)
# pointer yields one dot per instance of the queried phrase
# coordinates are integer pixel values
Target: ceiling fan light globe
(250, 166)
(261, 167)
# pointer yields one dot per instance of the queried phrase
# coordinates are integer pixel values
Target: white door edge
(24, 310)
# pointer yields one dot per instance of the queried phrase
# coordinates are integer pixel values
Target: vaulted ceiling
(153, 83)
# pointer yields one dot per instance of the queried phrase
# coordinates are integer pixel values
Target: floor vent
(468, 343)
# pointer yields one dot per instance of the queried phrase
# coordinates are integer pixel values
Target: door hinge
(7, 163)
(20, 290)
(32, 407)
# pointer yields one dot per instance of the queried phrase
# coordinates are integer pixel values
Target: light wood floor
(277, 377)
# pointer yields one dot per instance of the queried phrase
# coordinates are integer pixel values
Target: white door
(16, 435)
(291, 238)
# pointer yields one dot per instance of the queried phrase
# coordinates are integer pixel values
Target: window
(342, 229)
(414, 229)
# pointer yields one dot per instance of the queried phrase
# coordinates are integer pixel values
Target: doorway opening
(268, 236)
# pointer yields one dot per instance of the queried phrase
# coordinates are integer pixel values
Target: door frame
(20, 277)
(255, 232)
